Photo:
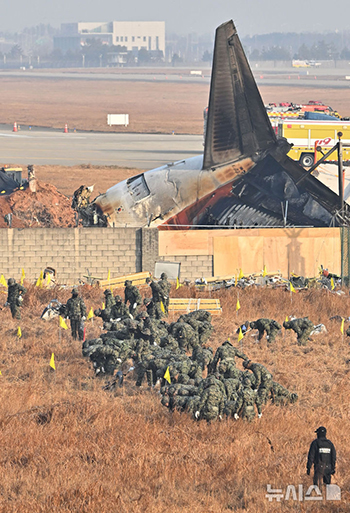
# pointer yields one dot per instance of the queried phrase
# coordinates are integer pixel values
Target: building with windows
(134, 35)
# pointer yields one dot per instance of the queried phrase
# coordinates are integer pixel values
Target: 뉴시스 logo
(296, 493)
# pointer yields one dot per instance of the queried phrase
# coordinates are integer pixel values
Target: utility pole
(340, 172)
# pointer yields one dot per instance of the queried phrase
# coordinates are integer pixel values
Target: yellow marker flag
(238, 305)
(167, 376)
(103, 306)
(0, 373)
(287, 320)
(342, 326)
(90, 314)
(291, 288)
(332, 284)
(178, 284)
(109, 275)
(39, 282)
(241, 275)
(63, 324)
(19, 332)
(52, 362)
(264, 271)
(240, 334)
(22, 276)
(3, 281)
(162, 307)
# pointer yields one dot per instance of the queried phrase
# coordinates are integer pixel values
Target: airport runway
(142, 151)
(291, 77)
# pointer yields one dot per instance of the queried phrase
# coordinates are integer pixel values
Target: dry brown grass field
(69, 446)
(152, 106)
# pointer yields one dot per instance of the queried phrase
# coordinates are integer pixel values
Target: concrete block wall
(71, 252)
(192, 266)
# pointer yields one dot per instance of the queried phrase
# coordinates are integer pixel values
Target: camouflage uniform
(280, 395)
(132, 294)
(109, 299)
(262, 380)
(75, 311)
(247, 400)
(269, 325)
(165, 287)
(212, 402)
(119, 310)
(203, 356)
(105, 359)
(227, 369)
(157, 297)
(151, 309)
(302, 327)
(14, 297)
(186, 336)
(226, 350)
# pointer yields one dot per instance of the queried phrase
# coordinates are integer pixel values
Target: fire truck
(307, 135)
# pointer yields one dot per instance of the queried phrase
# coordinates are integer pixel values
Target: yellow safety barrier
(190, 305)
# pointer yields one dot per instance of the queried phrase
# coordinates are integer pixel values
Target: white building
(149, 35)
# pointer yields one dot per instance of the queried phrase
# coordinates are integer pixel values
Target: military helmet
(164, 276)
(117, 298)
(147, 300)
(11, 281)
(107, 292)
(246, 364)
(128, 283)
(74, 291)
(321, 430)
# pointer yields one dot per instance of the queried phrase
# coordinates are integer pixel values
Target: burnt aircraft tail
(238, 125)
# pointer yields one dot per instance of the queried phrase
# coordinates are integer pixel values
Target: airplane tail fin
(238, 125)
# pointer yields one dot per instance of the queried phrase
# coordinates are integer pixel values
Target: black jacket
(322, 451)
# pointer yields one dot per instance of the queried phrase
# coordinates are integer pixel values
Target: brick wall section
(70, 251)
(192, 267)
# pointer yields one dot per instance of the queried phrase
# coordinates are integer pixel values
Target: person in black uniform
(322, 456)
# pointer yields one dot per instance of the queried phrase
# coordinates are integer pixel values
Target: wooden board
(191, 304)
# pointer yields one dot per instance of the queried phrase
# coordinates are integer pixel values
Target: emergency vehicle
(307, 135)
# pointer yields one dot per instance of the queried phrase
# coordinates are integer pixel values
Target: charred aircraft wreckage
(244, 178)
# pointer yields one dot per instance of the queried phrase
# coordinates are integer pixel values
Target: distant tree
(15, 52)
(143, 56)
(345, 53)
(255, 55)
(303, 53)
(207, 56)
(176, 59)
(275, 53)
(323, 51)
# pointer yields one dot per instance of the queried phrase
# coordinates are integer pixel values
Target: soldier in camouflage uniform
(151, 309)
(246, 402)
(262, 380)
(203, 356)
(157, 297)
(186, 336)
(76, 312)
(212, 401)
(133, 296)
(302, 327)
(281, 395)
(109, 299)
(227, 369)
(119, 310)
(165, 287)
(226, 350)
(14, 297)
(269, 325)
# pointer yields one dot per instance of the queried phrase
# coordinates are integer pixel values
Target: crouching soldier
(269, 325)
(302, 327)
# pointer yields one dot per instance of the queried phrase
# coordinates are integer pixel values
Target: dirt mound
(45, 208)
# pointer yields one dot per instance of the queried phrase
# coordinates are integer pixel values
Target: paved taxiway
(142, 151)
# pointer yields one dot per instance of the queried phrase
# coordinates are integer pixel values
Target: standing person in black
(322, 456)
